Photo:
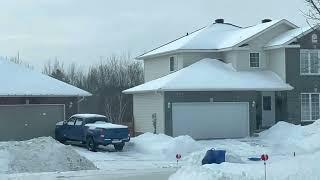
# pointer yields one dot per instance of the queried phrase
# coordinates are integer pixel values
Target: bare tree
(106, 81)
(313, 12)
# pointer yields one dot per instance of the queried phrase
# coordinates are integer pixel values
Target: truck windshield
(96, 119)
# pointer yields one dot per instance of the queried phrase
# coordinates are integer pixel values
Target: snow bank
(294, 168)
(281, 141)
(164, 146)
(40, 155)
(293, 138)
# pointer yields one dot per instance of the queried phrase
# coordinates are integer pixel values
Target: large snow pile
(40, 155)
(280, 142)
(164, 146)
(293, 138)
(293, 168)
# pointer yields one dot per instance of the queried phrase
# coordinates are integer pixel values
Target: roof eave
(281, 46)
(288, 88)
(45, 95)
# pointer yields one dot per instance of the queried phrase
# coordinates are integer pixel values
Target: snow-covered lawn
(156, 153)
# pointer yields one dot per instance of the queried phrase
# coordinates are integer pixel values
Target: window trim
(269, 105)
(310, 106)
(259, 61)
(308, 51)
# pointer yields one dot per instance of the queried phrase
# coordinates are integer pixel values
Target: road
(93, 175)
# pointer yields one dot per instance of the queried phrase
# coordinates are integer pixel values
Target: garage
(207, 120)
(28, 121)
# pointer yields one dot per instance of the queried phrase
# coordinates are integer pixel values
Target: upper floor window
(309, 61)
(173, 64)
(254, 60)
(314, 38)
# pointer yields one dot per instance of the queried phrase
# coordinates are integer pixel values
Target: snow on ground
(156, 153)
(40, 155)
(280, 142)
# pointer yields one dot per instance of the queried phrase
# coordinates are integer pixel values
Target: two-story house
(226, 81)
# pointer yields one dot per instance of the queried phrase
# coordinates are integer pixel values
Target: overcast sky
(83, 30)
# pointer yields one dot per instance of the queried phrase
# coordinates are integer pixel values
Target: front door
(268, 109)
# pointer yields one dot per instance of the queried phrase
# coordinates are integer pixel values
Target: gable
(305, 41)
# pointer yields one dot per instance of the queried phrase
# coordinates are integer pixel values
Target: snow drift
(40, 155)
(280, 141)
(164, 146)
(293, 138)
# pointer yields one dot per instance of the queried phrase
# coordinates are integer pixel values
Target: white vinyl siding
(309, 62)
(144, 105)
(276, 59)
(310, 109)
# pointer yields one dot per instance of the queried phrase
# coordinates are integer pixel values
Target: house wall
(301, 83)
(190, 58)
(144, 105)
(240, 58)
(277, 63)
(157, 67)
(239, 96)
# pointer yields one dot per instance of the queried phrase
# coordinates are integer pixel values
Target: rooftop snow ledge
(213, 75)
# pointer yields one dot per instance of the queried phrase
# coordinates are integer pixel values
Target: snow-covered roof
(213, 75)
(88, 116)
(17, 80)
(216, 36)
(287, 37)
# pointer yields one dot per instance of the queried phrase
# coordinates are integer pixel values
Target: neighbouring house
(226, 81)
(31, 103)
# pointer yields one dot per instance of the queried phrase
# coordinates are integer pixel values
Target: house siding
(301, 83)
(240, 96)
(144, 105)
(277, 63)
(157, 67)
(190, 58)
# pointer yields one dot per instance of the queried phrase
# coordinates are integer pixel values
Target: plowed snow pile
(40, 155)
(164, 146)
(281, 141)
(293, 138)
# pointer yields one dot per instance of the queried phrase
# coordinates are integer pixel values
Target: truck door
(78, 130)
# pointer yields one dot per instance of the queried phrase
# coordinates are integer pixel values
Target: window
(78, 122)
(314, 38)
(254, 60)
(266, 103)
(173, 64)
(309, 61)
(310, 109)
(71, 121)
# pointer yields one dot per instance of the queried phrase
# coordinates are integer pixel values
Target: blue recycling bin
(214, 156)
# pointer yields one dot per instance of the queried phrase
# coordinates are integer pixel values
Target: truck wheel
(119, 146)
(91, 145)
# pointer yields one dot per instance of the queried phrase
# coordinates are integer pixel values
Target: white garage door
(206, 120)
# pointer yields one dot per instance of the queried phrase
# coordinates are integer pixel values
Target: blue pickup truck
(92, 130)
